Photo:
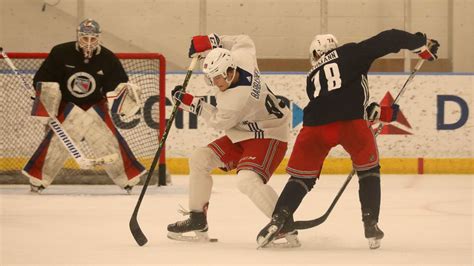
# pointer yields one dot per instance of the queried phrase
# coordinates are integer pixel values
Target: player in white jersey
(256, 125)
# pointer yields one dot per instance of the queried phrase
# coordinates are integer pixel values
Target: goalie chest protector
(82, 82)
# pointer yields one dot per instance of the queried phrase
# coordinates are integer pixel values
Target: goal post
(21, 133)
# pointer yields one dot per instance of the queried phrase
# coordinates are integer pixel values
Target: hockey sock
(293, 193)
(369, 194)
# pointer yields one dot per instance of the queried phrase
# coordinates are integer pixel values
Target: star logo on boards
(391, 129)
(297, 115)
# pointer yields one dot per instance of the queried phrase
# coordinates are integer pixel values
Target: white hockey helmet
(217, 62)
(88, 33)
(320, 45)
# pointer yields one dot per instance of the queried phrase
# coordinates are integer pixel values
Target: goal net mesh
(21, 134)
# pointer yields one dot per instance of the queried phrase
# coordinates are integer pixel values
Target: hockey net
(21, 134)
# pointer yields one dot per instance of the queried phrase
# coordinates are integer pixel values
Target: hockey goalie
(82, 83)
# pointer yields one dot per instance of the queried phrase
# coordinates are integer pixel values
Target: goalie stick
(57, 128)
(135, 229)
(315, 222)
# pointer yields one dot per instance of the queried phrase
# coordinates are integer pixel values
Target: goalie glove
(384, 113)
(124, 100)
(203, 43)
(429, 50)
(186, 101)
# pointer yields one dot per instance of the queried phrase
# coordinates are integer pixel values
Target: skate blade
(283, 245)
(374, 243)
(36, 190)
(198, 237)
(288, 241)
(262, 241)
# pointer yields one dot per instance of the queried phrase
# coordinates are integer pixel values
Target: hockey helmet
(88, 33)
(217, 62)
(320, 45)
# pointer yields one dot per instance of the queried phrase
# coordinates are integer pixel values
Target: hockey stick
(133, 224)
(315, 222)
(55, 125)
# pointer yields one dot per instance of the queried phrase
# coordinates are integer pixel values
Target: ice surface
(427, 219)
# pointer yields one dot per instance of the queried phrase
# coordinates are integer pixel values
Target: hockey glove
(202, 43)
(428, 51)
(373, 112)
(386, 114)
(186, 101)
(389, 113)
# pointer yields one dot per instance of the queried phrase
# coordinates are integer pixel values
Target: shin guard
(370, 194)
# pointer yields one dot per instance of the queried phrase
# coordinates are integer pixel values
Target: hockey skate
(373, 234)
(285, 240)
(128, 189)
(278, 228)
(196, 225)
(36, 189)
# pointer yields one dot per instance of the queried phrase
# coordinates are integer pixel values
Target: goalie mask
(88, 33)
(217, 62)
(320, 45)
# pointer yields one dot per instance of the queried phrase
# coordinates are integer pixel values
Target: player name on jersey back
(323, 60)
(256, 86)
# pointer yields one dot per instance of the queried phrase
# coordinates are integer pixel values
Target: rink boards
(432, 135)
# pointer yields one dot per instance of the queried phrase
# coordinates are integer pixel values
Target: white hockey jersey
(247, 109)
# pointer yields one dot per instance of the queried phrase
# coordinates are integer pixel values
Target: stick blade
(300, 225)
(137, 232)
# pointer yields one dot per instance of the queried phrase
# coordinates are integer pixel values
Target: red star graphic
(390, 129)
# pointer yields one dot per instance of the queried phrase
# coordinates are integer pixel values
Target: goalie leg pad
(51, 155)
(37, 170)
(262, 195)
(47, 101)
(104, 139)
(201, 163)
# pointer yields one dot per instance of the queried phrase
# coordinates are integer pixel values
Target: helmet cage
(88, 34)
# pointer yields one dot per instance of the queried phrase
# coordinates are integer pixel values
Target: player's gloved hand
(202, 43)
(389, 113)
(429, 51)
(186, 101)
(373, 112)
(386, 114)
